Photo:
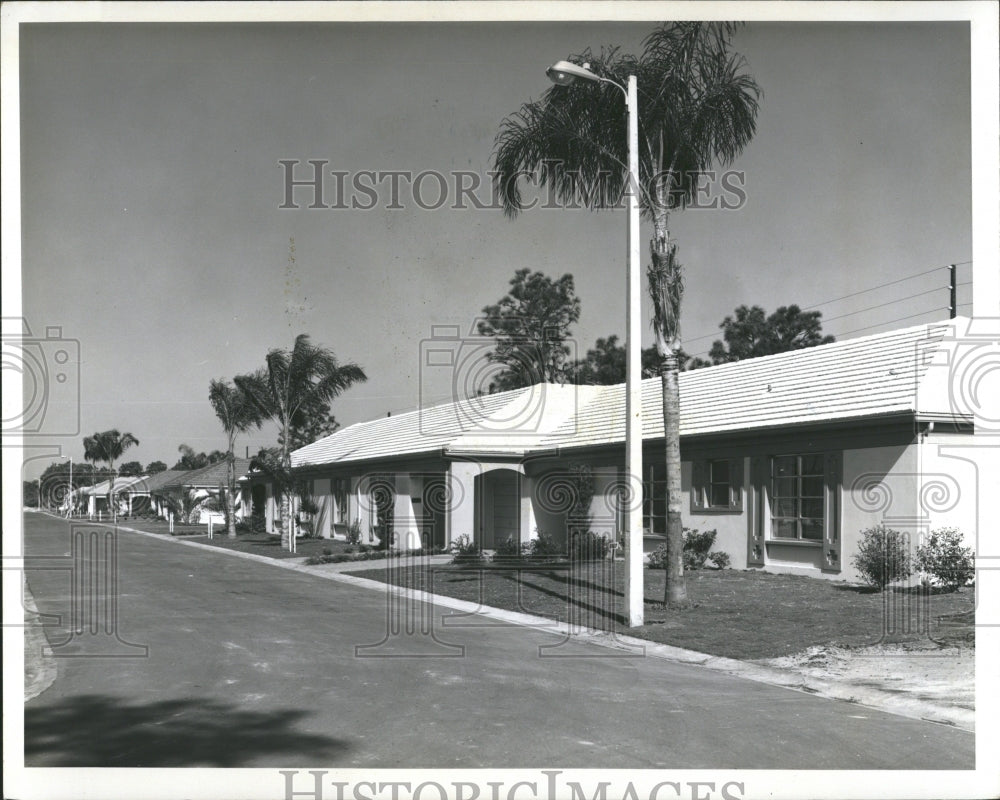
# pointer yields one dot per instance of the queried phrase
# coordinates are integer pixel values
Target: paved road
(252, 665)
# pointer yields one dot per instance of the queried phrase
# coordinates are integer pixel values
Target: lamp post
(564, 73)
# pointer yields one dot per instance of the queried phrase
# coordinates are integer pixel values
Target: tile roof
(210, 476)
(871, 376)
(120, 485)
(868, 377)
(150, 483)
(505, 423)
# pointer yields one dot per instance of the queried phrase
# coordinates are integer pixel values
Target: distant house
(201, 486)
(788, 457)
(95, 497)
(151, 487)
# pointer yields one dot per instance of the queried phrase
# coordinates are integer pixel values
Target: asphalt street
(207, 659)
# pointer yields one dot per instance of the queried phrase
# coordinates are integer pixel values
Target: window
(654, 499)
(338, 488)
(797, 504)
(717, 485)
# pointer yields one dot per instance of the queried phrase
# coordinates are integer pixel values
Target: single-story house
(199, 486)
(150, 486)
(788, 457)
(96, 497)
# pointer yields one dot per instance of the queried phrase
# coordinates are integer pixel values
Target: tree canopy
(154, 467)
(531, 326)
(130, 469)
(290, 385)
(750, 333)
(191, 460)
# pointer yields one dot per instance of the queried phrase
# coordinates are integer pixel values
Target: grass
(744, 614)
(263, 544)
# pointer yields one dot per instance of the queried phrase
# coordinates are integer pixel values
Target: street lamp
(564, 73)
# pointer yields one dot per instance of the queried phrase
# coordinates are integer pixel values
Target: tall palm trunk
(230, 492)
(666, 287)
(287, 541)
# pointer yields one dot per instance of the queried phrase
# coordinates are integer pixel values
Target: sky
(153, 233)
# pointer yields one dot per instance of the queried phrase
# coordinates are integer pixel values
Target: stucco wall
(958, 478)
(730, 526)
(880, 486)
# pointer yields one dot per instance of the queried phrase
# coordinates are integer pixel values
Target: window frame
(340, 490)
(702, 484)
(772, 500)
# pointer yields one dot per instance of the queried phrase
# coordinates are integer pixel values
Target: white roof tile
(871, 376)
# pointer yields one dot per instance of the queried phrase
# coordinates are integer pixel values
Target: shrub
(349, 549)
(466, 551)
(546, 548)
(883, 556)
(354, 532)
(719, 558)
(327, 551)
(509, 549)
(943, 556)
(697, 545)
(588, 546)
(658, 558)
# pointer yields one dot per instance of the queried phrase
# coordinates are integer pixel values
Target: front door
(498, 507)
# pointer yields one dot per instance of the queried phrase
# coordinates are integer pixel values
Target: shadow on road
(104, 731)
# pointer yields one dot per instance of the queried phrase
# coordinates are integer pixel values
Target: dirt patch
(922, 671)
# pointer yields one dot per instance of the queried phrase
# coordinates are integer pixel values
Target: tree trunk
(230, 499)
(675, 592)
(287, 540)
(112, 505)
(666, 289)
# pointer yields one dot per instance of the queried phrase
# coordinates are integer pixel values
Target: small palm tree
(237, 415)
(107, 448)
(291, 383)
(697, 107)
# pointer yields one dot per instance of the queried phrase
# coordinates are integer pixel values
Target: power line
(889, 322)
(865, 291)
(883, 285)
(881, 305)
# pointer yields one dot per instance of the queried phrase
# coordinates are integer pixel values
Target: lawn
(744, 614)
(263, 544)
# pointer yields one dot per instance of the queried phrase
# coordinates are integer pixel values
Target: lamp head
(563, 73)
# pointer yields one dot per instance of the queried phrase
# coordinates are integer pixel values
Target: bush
(943, 556)
(697, 545)
(588, 546)
(719, 558)
(658, 558)
(509, 550)
(546, 548)
(466, 551)
(883, 556)
(354, 532)
(327, 551)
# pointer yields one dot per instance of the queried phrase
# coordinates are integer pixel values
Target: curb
(960, 718)
(39, 668)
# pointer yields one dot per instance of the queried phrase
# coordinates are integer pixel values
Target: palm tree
(107, 448)
(291, 383)
(697, 108)
(237, 415)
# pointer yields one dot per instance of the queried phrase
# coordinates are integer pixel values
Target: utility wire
(889, 322)
(865, 291)
(882, 305)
